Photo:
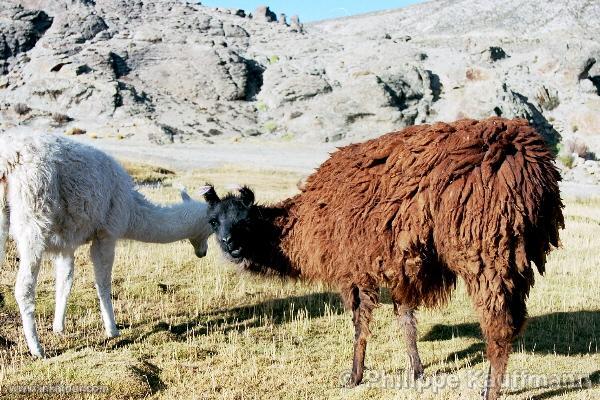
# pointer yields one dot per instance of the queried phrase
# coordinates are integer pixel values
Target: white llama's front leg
(103, 255)
(4, 222)
(25, 296)
(3, 234)
(63, 266)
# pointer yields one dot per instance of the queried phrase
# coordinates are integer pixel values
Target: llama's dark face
(232, 219)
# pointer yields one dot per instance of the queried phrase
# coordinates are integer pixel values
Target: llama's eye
(213, 222)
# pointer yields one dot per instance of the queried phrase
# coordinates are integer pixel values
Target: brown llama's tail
(522, 222)
(528, 193)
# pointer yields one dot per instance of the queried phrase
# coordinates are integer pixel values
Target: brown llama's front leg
(362, 302)
(502, 316)
(408, 323)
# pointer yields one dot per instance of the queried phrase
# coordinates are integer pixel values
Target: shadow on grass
(563, 333)
(561, 388)
(277, 311)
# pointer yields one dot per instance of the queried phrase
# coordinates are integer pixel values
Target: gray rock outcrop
(169, 71)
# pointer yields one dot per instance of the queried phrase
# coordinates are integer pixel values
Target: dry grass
(195, 328)
(144, 174)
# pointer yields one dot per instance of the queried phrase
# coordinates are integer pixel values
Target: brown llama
(412, 210)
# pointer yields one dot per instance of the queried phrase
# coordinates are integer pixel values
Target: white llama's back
(62, 193)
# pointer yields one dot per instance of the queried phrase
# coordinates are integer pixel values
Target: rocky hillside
(166, 71)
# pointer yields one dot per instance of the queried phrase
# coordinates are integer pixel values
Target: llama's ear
(209, 194)
(184, 195)
(247, 196)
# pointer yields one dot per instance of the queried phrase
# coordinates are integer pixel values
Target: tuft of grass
(197, 327)
(60, 119)
(75, 131)
(287, 137)
(274, 59)
(547, 99)
(575, 146)
(260, 106)
(270, 126)
(566, 159)
(21, 108)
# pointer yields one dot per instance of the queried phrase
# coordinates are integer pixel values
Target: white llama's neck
(151, 223)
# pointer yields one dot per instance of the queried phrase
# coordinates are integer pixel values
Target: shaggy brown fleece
(414, 209)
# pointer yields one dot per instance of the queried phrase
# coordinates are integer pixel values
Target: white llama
(57, 194)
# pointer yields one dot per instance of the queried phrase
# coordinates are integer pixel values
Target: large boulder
(515, 105)
(20, 29)
(285, 82)
(263, 13)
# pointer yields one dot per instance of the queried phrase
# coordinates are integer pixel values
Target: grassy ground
(195, 328)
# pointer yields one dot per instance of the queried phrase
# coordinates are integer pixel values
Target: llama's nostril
(227, 240)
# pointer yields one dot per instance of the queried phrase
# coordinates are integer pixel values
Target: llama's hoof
(486, 394)
(417, 374)
(59, 330)
(38, 353)
(113, 333)
(348, 380)
(352, 382)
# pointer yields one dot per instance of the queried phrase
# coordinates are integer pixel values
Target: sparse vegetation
(270, 126)
(197, 328)
(566, 159)
(60, 119)
(288, 137)
(575, 146)
(145, 174)
(75, 131)
(274, 59)
(547, 99)
(21, 108)
(260, 106)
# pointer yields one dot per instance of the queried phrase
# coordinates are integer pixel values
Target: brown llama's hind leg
(362, 301)
(408, 323)
(502, 316)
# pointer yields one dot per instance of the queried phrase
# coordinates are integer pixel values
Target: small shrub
(273, 59)
(21, 108)
(566, 160)
(270, 126)
(260, 106)
(287, 137)
(60, 119)
(75, 131)
(575, 146)
(547, 99)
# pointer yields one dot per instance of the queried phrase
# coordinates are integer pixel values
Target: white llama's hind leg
(103, 254)
(25, 295)
(64, 266)
(4, 221)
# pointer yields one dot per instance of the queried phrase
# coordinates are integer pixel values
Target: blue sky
(313, 10)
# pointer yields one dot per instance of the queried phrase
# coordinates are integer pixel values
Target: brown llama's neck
(269, 255)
